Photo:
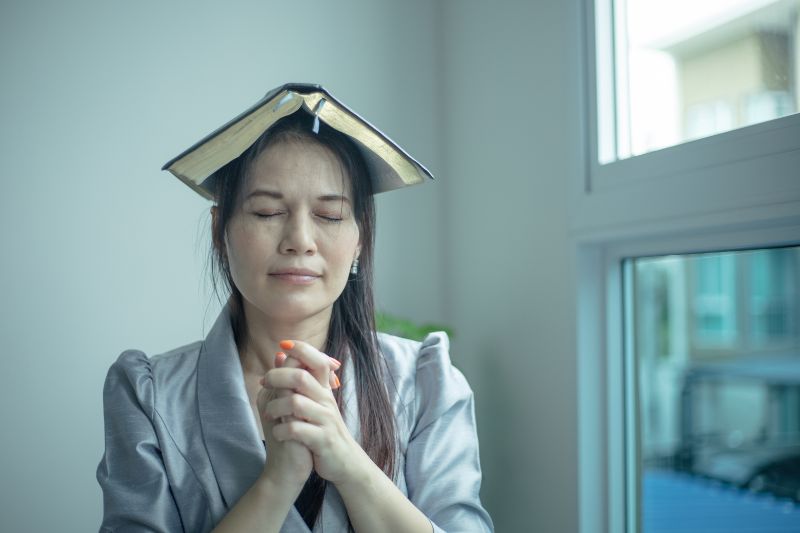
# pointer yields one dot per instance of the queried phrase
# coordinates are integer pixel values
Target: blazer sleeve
(132, 475)
(443, 470)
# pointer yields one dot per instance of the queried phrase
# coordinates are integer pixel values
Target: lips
(295, 272)
(296, 276)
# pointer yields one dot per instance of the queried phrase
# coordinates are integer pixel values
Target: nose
(298, 236)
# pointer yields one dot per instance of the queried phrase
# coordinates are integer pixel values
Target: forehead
(297, 168)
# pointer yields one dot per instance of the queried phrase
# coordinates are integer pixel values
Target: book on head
(389, 165)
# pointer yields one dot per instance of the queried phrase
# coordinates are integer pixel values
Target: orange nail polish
(336, 382)
(286, 345)
(280, 357)
(336, 362)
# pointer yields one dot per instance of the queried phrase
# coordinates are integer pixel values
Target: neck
(264, 333)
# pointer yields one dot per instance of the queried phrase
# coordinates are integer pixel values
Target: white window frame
(736, 190)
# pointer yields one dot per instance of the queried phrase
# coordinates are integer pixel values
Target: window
(670, 216)
(686, 69)
(717, 80)
(718, 402)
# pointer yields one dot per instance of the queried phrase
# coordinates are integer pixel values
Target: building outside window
(695, 69)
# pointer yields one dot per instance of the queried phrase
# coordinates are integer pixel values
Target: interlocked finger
(297, 406)
(297, 380)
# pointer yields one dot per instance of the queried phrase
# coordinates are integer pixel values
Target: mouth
(299, 276)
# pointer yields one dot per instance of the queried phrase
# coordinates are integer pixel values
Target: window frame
(735, 190)
(607, 423)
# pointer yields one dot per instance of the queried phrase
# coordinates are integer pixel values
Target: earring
(354, 267)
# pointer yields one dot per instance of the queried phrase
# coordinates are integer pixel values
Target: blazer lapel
(229, 429)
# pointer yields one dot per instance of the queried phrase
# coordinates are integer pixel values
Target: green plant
(402, 327)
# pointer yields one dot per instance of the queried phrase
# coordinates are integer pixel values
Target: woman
(258, 428)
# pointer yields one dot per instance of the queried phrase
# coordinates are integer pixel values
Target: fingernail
(336, 362)
(286, 345)
(336, 382)
(262, 381)
(280, 357)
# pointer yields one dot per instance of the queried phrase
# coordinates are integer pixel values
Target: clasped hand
(302, 424)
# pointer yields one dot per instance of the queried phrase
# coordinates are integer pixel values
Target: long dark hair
(351, 334)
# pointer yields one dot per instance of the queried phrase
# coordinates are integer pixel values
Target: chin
(295, 311)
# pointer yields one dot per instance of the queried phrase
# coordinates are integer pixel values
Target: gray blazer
(182, 444)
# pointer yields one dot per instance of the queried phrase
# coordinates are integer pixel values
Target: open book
(389, 165)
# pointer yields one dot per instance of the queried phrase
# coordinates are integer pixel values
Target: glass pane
(714, 299)
(716, 342)
(688, 69)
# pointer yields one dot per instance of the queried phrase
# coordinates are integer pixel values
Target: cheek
(349, 244)
(245, 247)
(342, 250)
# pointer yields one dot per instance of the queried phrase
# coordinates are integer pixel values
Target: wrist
(267, 489)
(287, 487)
(288, 465)
(361, 476)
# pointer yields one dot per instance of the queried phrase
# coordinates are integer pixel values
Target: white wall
(102, 251)
(511, 143)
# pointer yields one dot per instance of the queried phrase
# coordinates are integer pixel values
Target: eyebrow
(279, 196)
(333, 198)
(264, 192)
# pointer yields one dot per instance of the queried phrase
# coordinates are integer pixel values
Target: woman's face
(292, 241)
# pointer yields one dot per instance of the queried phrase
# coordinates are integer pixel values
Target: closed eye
(268, 215)
(325, 217)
